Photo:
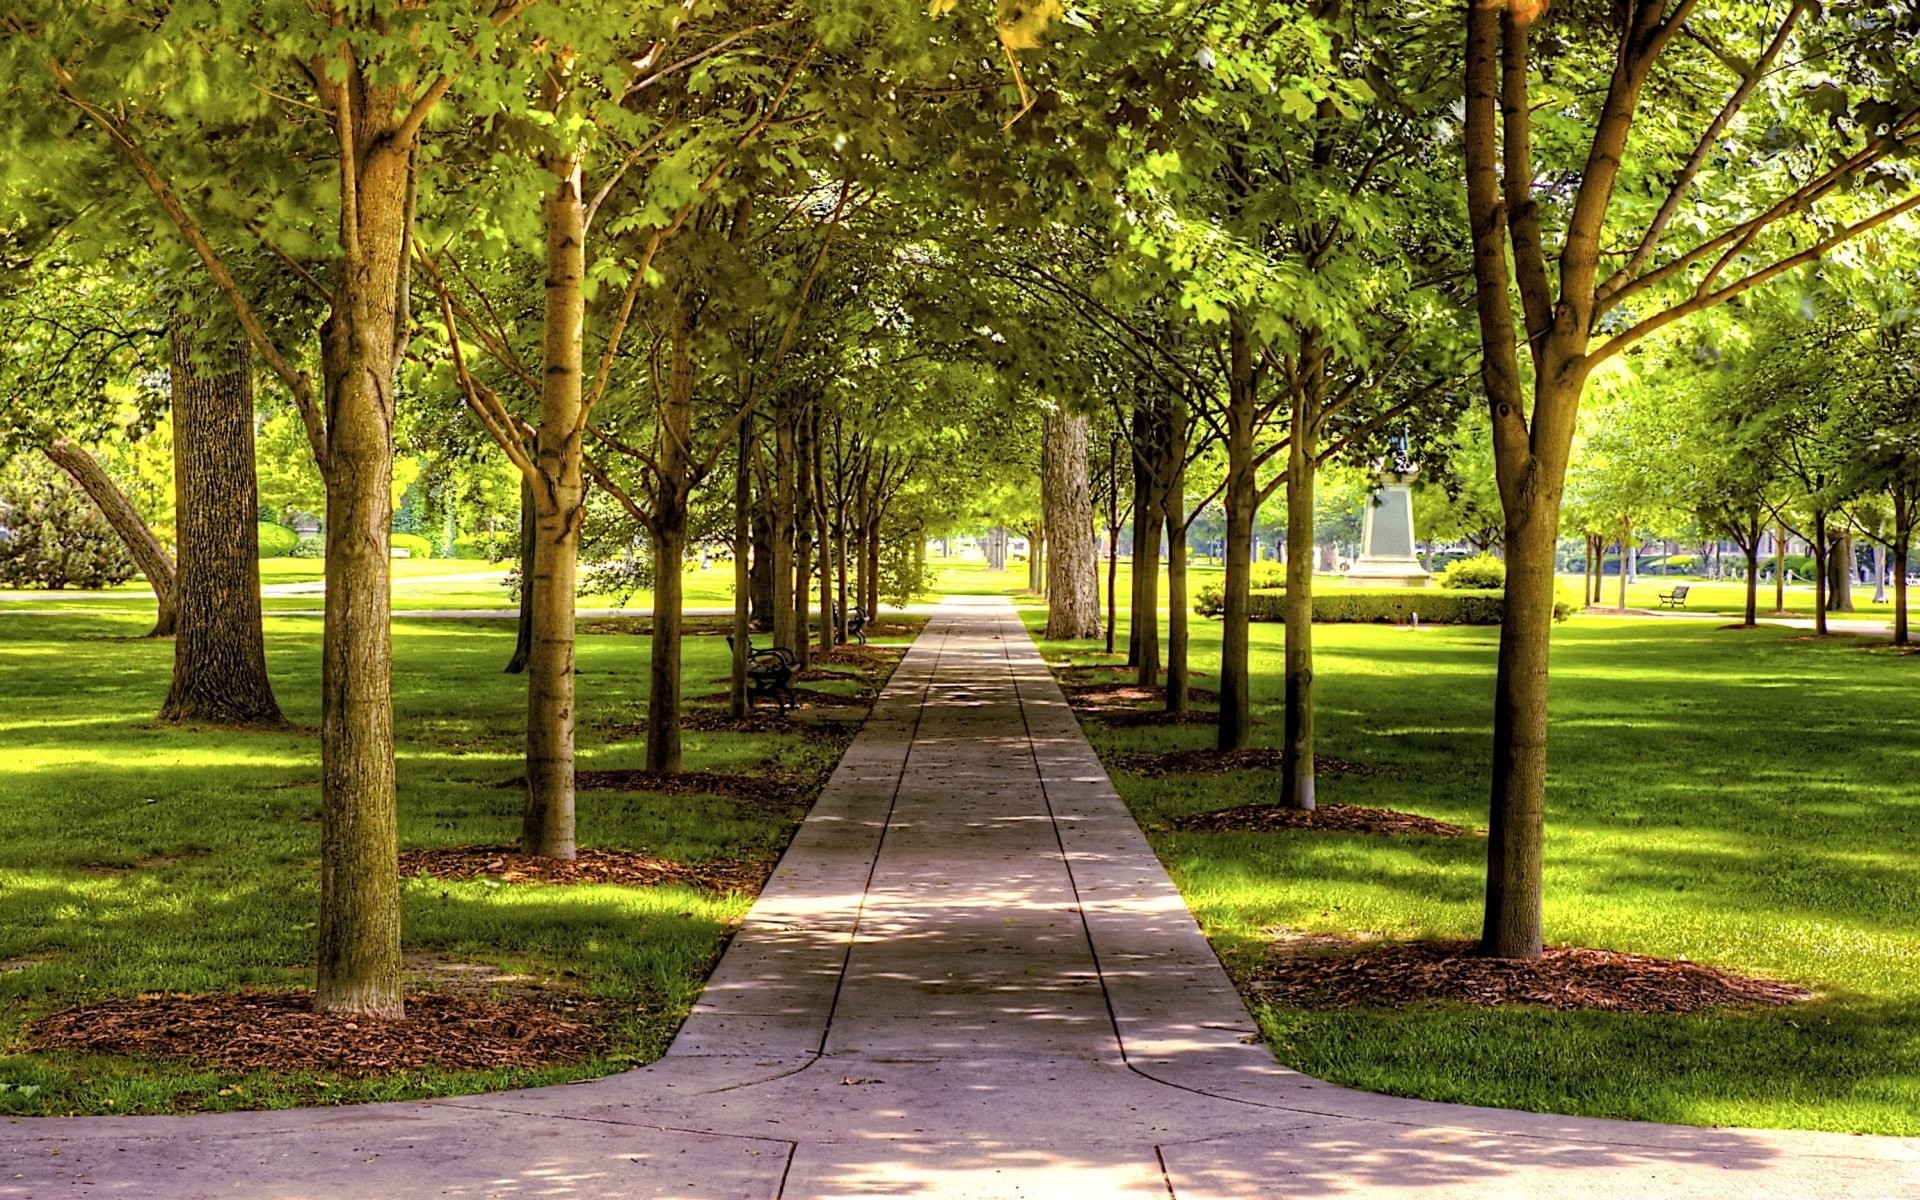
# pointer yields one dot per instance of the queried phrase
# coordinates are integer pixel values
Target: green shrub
(276, 541)
(1344, 606)
(310, 545)
(52, 536)
(1482, 572)
(495, 548)
(414, 545)
(1266, 578)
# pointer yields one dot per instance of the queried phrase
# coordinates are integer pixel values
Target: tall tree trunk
(138, 537)
(1902, 541)
(1821, 557)
(547, 821)
(1036, 558)
(219, 651)
(1175, 504)
(1752, 549)
(785, 520)
(529, 539)
(1626, 553)
(1236, 714)
(1840, 567)
(802, 539)
(670, 516)
(1879, 573)
(822, 518)
(362, 343)
(1113, 538)
(1072, 563)
(737, 699)
(1296, 755)
(760, 575)
(1780, 569)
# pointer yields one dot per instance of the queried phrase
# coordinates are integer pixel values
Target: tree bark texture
(737, 699)
(529, 538)
(803, 535)
(219, 651)
(670, 515)
(1174, 503)
(1073, 572)
(547, 821)
(1296, 754)
(1241, 500)
(138, 537)
(362, 344)
(785, 520)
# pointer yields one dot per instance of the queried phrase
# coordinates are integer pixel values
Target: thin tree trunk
(822, 518)
(1840, 575)
(1879, 573)
(1072, 565)
(1296, 762)
(670, 515)
(547, 821)
(802, 540)
(1236, 716)
(1175, 504)
(1780, 569)
(1821, 556)
(1113, 538)
(219, 650)
(142, 546)
(1902, 540)
(529, 539)
(1626, 539)
(785, 521)
(737, 700)
(1752, 549)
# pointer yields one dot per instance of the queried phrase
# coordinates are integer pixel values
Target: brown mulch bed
(1328, 818)
(1568, 977)
(758, 720)
(1222, 762)
(855, 655)
(1121, 705)
(281, 1032)
(629, 867)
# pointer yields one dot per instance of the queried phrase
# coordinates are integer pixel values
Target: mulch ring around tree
(280, 1032)
(1224, 762)
(628, 867)
(1123, 705)
(1305, 973)
(1328, 818)
(757, 720)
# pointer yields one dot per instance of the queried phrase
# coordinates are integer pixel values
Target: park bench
(856, 623)
(1677, 598)
(770, 673)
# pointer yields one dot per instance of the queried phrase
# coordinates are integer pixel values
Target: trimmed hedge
(415, 545)
(276, 541)
(1344, 606)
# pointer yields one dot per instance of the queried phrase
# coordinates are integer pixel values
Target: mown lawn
(139, 858)
(1745, 799)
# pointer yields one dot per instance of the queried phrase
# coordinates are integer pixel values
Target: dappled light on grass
(1745, 801)
(137, 858)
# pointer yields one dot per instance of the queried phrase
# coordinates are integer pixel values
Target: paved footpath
(968, 977)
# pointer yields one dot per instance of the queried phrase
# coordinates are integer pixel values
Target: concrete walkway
(968, 977)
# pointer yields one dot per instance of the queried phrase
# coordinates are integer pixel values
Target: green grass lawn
(140, 858)
(1730, 597)
(1749, 800)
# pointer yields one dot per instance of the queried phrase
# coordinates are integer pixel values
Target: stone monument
(1387, 554)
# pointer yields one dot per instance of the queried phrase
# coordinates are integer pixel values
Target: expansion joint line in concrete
(880, 844)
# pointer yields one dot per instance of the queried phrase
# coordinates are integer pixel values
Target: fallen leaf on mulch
(1330, 818)
(281, 1032)
(1567, 977)
(628, 867)
(1221, 762)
